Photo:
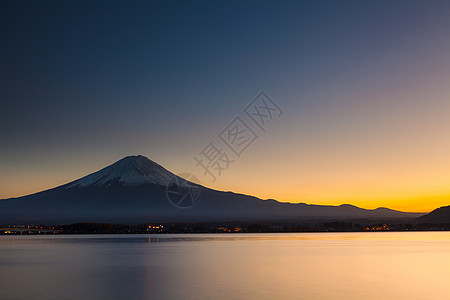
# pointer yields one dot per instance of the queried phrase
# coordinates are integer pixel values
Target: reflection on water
(386, 265)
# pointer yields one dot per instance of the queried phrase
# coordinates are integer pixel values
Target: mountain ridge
(136, 189)
(440, 215)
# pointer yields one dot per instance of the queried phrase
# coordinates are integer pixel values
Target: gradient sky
(364, 86)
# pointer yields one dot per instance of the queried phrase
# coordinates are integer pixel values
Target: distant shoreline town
(226, 227)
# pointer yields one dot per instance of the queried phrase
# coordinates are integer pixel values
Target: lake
(381, 265)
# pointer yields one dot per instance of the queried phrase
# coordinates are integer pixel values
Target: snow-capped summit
(130, 170)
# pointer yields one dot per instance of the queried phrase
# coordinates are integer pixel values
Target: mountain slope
(136, 189)
(438, 216)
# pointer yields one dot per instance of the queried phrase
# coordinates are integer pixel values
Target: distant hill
(438, 216)
(136, 189)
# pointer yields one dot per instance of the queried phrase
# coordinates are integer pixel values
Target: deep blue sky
(87, 82)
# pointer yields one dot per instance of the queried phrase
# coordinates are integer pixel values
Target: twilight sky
(364, 87)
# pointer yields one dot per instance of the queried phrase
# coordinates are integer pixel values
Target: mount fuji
(136, 189)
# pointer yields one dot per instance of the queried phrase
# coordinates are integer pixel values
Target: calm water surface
(386, 265)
